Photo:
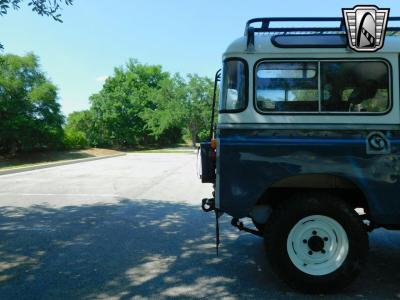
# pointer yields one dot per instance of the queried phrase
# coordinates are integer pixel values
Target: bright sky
(182, 36)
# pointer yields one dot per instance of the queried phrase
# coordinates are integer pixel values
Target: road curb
(56, 164)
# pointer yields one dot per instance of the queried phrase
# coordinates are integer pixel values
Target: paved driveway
(131, 227)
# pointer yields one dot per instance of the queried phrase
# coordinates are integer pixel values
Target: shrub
(75, 140)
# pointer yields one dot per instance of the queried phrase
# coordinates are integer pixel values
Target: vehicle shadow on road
(140, 249)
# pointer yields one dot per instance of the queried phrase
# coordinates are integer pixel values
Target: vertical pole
(216, 80)
(217, 239)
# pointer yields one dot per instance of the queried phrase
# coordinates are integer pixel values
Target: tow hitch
(239, 225)
(208, 204)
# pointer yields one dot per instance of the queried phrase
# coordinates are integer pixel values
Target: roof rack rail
(266, 28)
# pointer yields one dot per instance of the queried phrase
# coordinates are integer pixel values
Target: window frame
(319, 61)
(246, 86)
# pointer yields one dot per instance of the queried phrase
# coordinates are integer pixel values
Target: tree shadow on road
(156, 249)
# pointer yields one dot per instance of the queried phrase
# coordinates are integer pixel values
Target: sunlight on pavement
(153, 267)
(203, 287)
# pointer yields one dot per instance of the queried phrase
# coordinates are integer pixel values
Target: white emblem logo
(366, 27)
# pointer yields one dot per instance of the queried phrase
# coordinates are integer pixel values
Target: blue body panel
(250, 161)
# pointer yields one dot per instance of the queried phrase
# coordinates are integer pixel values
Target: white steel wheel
(317, 245)
(316, 242)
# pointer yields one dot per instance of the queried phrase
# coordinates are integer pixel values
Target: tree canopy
(144, 105)
(30, 117)
(139, 105)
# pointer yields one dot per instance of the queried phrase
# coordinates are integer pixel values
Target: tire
(316, 243)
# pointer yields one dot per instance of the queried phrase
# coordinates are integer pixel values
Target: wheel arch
(340, 185)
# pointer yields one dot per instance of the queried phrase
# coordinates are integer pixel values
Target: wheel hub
(316, 243)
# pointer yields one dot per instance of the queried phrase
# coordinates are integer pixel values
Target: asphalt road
(131, 227)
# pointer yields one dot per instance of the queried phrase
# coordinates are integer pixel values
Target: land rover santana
(307, 146)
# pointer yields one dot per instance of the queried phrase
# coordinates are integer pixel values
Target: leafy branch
(49, 8)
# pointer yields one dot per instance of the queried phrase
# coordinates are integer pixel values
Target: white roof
(263, 48)
(263, 44)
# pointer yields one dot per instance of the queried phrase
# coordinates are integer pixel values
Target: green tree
(75, 139)
(184, 105)
(198, 104)
(164, 119)
(30, 116)
(118, 110)
(181, 105)
(143, 105)
(49, 8)
(78, 129)
(79, 121)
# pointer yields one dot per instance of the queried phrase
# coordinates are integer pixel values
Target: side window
(355, 86)
(234, 86)
(287, 87)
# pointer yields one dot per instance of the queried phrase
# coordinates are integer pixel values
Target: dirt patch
(100, 152)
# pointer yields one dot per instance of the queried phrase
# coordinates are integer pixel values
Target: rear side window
(287, 87)
(355, 86)
(323, 87)
(234, 86)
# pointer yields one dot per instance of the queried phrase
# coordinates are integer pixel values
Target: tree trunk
(194, 134)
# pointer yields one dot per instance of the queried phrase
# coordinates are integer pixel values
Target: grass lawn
(163, 151)
(180, 149)
(46, 157)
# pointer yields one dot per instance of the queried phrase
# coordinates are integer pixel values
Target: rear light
(214, 144)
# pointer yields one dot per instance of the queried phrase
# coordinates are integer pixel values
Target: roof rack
(266, 28)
